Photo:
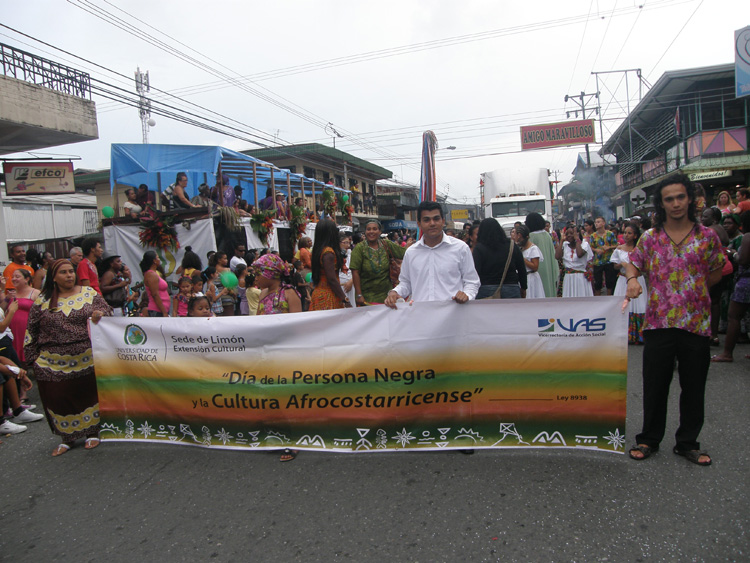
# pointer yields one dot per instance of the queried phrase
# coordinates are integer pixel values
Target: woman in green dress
(370, 265)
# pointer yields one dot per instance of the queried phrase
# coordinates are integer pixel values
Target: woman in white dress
(345, 275)
(620, 257)
(532, 256)
(575, 254)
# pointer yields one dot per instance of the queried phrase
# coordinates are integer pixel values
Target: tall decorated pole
(427, 191)
(427, 180)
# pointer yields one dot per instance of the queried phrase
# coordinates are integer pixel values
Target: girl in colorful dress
(180, 301)
(532, 256)
(620, 257)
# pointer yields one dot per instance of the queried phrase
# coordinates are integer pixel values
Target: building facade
(328, 164)
(691, 121)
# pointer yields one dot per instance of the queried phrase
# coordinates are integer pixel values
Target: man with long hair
(680, 260)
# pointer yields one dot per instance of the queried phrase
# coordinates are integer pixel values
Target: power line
(408, 49)
(580, 46)
(128, 28)
(675, 38)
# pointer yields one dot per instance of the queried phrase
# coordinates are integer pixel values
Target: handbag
(496, 295)
(728, 267)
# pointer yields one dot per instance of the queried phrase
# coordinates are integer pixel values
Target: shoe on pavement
(9, 427)
(27, 416)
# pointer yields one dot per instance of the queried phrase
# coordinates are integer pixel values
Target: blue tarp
(157, 167)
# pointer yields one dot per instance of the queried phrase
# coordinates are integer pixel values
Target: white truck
(512, 193)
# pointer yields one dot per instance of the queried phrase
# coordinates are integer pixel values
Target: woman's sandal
(645, 450)
(60, 450)
(721, 358)
(694, 456)
(91, 443)
(288, 455)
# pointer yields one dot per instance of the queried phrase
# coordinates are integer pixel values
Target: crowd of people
(46, 303)
(141, 202)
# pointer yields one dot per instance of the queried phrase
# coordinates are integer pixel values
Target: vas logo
(135, 335)
(560, 325)
(546, 325)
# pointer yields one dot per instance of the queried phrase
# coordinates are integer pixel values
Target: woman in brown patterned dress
(59, 347)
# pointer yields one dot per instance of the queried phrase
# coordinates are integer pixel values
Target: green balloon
(345, 198)
(229, 280)
(308, 277)
(108, 212)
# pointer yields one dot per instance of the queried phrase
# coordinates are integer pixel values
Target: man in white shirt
(238, 258)
(437, 267)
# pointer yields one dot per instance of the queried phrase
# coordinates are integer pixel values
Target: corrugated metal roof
(74, 200)
(317, 149)
(671, 83)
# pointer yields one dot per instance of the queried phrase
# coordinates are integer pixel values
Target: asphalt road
(149, 502)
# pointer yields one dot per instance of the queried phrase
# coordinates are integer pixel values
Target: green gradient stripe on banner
(407, 383)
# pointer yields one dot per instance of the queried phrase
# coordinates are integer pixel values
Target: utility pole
(332, 132)
(555, 181)
(553, 190)
(582, 100)
(144, 104)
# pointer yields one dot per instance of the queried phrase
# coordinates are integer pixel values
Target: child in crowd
(243, 308)
(180, 301)
(197, 281)
(214, 297)
(199, 306)
(302, 287)
(252, 293)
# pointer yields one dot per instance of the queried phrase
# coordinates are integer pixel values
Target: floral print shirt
(599, 241)
(677, 278)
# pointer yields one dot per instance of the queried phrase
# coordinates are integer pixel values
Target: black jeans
(692, 353)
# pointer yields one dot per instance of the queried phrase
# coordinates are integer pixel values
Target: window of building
(326, 177)
(711, 117)
(339, 181)
(309, 172)
(292, 169)
(734, 113)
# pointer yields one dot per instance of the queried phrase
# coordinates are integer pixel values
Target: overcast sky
(381, 72)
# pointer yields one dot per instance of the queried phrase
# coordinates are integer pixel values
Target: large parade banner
(430, 376)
